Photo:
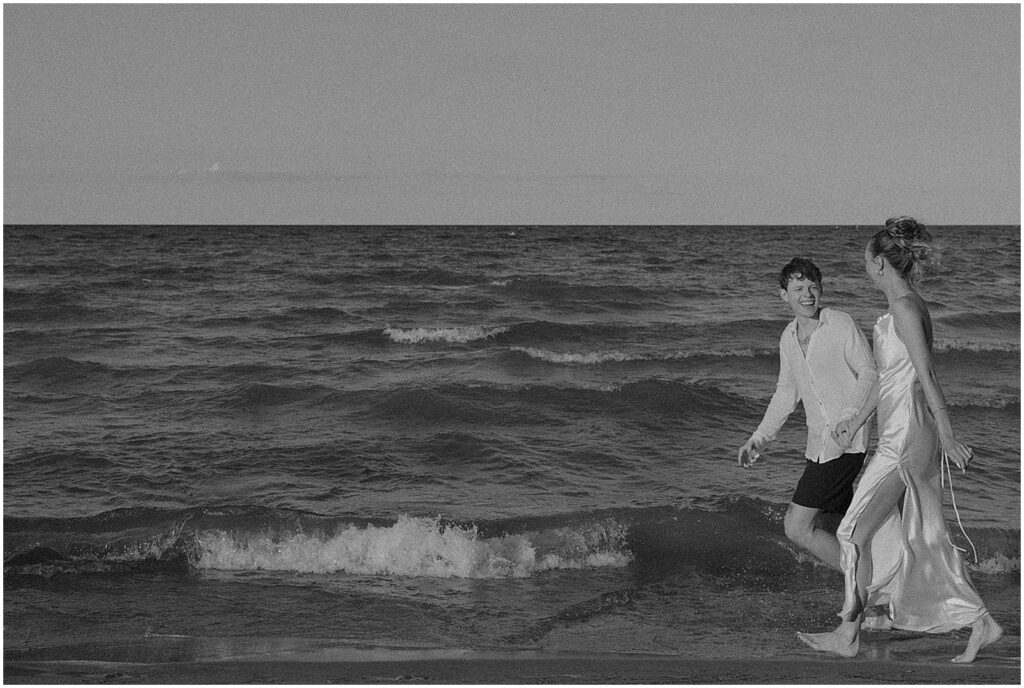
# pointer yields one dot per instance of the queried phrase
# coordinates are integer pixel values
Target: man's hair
(799, 268)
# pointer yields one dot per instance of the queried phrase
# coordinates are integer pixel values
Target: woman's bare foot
(834, 641)
(984, 631)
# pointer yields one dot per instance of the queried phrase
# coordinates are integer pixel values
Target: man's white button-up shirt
(833, 381)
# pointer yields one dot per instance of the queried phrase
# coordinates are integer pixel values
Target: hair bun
(910, 246)
(907, 245)
(906, 232)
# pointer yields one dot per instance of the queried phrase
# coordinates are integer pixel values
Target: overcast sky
(520, 114)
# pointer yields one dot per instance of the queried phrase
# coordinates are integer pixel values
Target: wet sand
(346, 665)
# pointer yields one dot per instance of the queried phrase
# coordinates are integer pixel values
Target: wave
(548, 288)
(450, 335)
(260, 394)
(1007, 320)
(988, 402)
(574, 358)
(167, 273)
(317, 314)
(543, 404)
(979, 332)
(528, 333)
(223, 322)
(540, 331)
(537, 333)
(597, 358)
(975, 345)
(416, 547)
(240, 539)
(56, 305)
(41, 298)
(411, 276)
(56, 369)
(730, 537)
(456, 403)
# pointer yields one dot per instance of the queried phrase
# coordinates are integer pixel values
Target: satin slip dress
(916, 570)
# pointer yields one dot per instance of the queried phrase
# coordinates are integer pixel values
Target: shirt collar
(824, 315)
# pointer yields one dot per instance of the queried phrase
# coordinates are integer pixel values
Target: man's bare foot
(876, 622)
(984, 631)
(833, 641)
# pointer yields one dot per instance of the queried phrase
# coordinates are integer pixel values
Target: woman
(904, 558)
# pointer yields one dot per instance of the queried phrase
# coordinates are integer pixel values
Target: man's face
(803, 296)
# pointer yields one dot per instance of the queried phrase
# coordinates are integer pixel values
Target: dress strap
(943, 474)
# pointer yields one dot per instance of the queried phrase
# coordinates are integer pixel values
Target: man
(825, 363)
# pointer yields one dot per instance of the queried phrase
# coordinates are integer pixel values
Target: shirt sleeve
(783, 401)
(859, 358)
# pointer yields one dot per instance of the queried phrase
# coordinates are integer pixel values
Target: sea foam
(414, 547)
(452, 335)
(596, 358)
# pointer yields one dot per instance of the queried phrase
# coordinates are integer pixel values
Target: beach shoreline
(557, 670)
(529, 667)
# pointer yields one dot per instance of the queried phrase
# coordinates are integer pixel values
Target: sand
(345, 665)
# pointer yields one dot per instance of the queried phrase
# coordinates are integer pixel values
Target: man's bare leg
(878, 621)
(845, 640)
(801, 530)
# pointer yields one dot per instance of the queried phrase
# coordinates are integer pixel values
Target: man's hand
(843, 434)
(750, 453)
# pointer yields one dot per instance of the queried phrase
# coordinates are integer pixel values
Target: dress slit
(916, 571)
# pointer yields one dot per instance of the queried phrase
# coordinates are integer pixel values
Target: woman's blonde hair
(906, 244)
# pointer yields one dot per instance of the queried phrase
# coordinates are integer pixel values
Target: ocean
(221, 441)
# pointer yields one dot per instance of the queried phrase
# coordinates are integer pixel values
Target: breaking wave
(451, 335)
(417, 547)
(732, 536)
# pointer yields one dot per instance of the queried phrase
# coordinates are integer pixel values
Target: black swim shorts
(829, 486)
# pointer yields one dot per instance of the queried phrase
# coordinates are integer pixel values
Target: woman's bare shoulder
(909, 313)
(909, 305)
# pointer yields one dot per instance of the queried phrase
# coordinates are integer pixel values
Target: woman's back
(906, 427)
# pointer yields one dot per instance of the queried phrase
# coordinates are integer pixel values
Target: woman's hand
(843, 433)
(958, 452)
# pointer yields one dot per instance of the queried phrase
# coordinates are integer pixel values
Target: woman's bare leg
(984, 631)
(845, 640)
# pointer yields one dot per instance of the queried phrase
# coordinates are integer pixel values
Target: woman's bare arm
(910, 316)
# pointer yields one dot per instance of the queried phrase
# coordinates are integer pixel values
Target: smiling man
(826, 364)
